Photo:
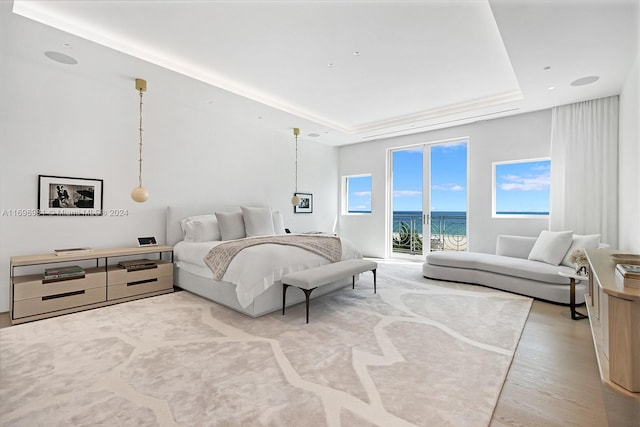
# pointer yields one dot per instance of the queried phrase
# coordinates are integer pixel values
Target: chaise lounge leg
(353, 281)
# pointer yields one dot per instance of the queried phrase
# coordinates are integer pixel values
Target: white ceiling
(421, 64)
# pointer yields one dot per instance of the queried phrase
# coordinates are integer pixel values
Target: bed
(251, 283)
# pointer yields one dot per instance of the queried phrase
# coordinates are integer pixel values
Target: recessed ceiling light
(548, 67)
(330, 64)
(551, 88)
(313, 135)
(356, 53)
(585, 81)
(67, 45)
(61, 58)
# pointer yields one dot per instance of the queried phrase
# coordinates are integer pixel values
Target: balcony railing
(448, 233)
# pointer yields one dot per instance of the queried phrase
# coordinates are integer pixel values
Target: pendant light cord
(296, 163)
(140, 146)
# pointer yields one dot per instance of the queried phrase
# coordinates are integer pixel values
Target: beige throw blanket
(220, 256)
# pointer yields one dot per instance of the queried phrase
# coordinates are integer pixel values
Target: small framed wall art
(305, 205)
(67, 196)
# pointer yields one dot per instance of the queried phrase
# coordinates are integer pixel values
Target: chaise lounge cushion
(510, 266)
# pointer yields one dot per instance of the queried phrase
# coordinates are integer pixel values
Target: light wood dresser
(104, 283)
(614, 315)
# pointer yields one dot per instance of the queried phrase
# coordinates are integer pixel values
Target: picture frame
(147, 241)
(306, 203)
(69, 196)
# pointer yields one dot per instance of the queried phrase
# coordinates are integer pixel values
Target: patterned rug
(419, 352)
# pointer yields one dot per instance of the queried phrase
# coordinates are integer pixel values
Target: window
(521, 188)
(356, 191)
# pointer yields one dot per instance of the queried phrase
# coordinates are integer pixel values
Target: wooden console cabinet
(614, 315)
(104, 284)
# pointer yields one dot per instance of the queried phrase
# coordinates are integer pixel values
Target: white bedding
(256, 268)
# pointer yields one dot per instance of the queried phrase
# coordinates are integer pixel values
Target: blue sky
(448, 178)
(359, 194)
(523, 186)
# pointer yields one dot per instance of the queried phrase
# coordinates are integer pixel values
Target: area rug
(419, 352)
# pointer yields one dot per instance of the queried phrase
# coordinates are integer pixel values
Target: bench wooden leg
(353, 283)
(284, 296)
(307, 293)
(374, 280)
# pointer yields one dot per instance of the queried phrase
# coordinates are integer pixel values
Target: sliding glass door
(428, 199)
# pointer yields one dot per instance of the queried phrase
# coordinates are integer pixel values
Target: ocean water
(442, 222)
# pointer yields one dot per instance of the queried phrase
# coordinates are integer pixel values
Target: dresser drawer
(28, 287)
(61, 301)
(139, 287)
(120, 276)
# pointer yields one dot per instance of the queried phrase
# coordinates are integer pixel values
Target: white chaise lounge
(510, 269)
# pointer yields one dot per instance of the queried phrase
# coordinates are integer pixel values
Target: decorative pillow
(206, 229)
(187, 231)
(231, 225)
(257, 221)
(278, 223)
(551, 246)
(587, 241)
(200, 228)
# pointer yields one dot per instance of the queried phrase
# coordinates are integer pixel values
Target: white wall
(59, 120)
(629, 161)
(518, 137)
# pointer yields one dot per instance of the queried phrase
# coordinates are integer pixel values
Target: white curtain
(584, 168)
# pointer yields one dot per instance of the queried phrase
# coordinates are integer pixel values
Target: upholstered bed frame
(224, 292)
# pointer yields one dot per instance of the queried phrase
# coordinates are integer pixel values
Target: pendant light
(140, 194)
(295, 200)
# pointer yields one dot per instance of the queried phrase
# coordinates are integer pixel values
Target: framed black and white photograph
(306, 203)
(67, 196)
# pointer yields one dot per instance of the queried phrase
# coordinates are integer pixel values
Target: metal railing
(448, 233)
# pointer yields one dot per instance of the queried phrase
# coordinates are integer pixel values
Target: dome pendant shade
(139, 194)
(295, 200)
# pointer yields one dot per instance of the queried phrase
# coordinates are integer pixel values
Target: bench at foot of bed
(308, 280)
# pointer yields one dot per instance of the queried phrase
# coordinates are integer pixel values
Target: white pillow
(587, 241)
(231, 225)
(206, 229)
(278, 223)
(257, 221)
(551, 246)
(200, 228)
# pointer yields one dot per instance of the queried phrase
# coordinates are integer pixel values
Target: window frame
(345, 194)
(494, 201)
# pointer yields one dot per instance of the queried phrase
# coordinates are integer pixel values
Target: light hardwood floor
(5, 320)
(553, 380)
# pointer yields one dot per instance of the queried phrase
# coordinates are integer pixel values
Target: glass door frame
(389, 203)
(426, 200)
